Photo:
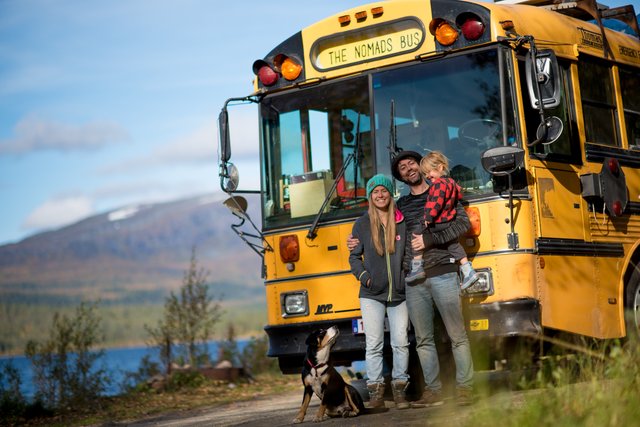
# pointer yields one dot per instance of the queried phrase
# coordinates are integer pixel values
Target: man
(441, 288)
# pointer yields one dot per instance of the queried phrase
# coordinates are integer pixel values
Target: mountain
(134, 254)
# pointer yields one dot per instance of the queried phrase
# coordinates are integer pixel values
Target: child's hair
(432, 161)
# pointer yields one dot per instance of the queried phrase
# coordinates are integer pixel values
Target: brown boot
(376, 393)
(429, 398)
(399, 387)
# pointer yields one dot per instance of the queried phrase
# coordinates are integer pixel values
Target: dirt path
(280, 411)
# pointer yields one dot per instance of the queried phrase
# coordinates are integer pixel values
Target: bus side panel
(559, 202)
(575, 299)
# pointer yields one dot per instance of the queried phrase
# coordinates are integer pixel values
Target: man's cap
(401, 156)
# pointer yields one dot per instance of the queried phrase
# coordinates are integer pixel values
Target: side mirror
(502, 160)
(543, 72)
(229, 178)
(225, 143)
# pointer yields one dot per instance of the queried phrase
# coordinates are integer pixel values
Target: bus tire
(632, 306)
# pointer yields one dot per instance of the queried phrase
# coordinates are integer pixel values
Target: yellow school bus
(535, 104)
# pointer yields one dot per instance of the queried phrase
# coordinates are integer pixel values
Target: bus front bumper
(288, 341)
(504, 319)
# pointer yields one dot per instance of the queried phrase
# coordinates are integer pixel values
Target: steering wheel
(480, 132)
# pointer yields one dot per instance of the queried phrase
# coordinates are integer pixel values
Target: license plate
(479, 325)
(357, 326)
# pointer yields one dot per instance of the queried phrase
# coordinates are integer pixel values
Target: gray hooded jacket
(387, 278)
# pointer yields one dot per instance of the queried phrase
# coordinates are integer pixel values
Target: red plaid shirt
(442, 198)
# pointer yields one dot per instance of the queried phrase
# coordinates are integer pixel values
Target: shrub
(255, 359)
(65, 366)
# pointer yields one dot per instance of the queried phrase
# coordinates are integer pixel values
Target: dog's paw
(297, 420)
(349, 414)
(318, 419)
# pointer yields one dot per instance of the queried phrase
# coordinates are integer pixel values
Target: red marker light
(614, 166)
(472, 29)
(267, 75)
(617, 208)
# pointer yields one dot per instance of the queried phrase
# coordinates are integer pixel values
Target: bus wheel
(632, 306)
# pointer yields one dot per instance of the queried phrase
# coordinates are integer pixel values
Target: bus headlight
(294, 304)
(484, 285)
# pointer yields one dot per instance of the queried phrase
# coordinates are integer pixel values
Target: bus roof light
(377, 11)
(361, 16)
(344, 20)
(472, 28)
(266, 74)
(289, 67)
(444, 32)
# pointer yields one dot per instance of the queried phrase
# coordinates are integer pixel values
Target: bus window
(450, 105)
(629, 85)
(598, 102)
(307, 138)
(567, 147)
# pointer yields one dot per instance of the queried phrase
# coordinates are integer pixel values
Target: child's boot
(469, 275)
(417, 271)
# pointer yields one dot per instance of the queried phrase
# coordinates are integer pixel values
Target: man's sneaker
(464, 396)
(415, 276)
(469, 280)
(429, 398)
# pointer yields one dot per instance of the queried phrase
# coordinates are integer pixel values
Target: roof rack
(586, 10)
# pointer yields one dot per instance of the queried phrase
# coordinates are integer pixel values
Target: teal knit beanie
(379, 179)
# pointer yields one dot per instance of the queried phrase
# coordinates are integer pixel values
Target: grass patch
(578, 390)
(140, 405)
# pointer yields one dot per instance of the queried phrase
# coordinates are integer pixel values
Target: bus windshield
(460, 105)
(308, 137)
(454, 105)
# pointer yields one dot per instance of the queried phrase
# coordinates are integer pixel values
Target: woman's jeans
(373, 319)
(443, 292)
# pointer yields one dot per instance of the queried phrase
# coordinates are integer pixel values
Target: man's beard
(415, 180)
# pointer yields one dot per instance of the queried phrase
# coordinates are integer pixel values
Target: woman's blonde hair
(432, 161)
(389, 231)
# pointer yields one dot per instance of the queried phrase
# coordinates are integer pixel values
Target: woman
(377, 263)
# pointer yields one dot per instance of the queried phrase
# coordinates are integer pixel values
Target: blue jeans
(443, 292)
(373, 319)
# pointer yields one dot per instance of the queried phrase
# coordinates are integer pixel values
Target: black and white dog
(338, 399)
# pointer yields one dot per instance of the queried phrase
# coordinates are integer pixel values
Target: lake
(117, 361)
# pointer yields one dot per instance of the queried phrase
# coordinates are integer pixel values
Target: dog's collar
(316, 367)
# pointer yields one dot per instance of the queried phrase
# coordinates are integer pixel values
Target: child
(439, 210)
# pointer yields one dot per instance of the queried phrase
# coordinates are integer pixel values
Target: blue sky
(106, 103)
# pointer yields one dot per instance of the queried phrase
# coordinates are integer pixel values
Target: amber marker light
(289, 248)
(474, 218)
(361, 16)
(444, 32)
(289, 67)
(377, 11)
(344, 20)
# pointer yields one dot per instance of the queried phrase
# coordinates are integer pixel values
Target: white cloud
(35, 134)
(58, 212)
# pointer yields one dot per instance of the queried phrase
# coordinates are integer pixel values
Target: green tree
(255, 359)
(188, 320)
(65, 365)
(228, 349)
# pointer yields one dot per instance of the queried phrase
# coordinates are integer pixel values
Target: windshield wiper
(356, 155)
